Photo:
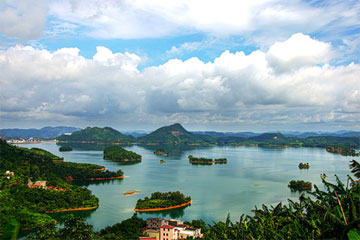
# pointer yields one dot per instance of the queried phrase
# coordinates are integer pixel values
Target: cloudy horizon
(209, 65)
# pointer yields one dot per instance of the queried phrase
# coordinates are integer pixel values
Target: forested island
(162, 201)
(65, 149)
(118, 154)
(31, 184)
(206, 161)
(300, 185)
(304, 165)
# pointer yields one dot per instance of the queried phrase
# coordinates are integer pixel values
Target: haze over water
(253, 176)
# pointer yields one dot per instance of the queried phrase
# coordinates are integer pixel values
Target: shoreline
(72, 209)
(161, 209)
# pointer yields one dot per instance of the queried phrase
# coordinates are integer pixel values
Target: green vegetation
(65, 149)
(175, 134)
(304, 165)
(330, 214)
(162, 200)
(206, 161)
(300, 185)
(76, 228)
(343, 150)
(97, 135)
(27, 205)
(118, 154)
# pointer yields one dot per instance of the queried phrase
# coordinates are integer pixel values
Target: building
(147, 238)
(37, 184)
(169, 229)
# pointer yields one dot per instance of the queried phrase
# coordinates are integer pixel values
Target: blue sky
(210, 65)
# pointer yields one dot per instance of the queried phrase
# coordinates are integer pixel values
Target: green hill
(175, 134)
(97, 135)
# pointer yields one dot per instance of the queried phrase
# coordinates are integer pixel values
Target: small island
(206, 161)
(162, 201)
(304, 165)
(300, 185)
(118, 154)
(131, 192)
(65, 149)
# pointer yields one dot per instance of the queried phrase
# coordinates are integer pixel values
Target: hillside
(98, 135)
(45, 132)
(175, 134)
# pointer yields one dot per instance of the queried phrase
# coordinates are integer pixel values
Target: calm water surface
(251, 177)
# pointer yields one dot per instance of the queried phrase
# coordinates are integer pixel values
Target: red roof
(147, 238)
(167, 226)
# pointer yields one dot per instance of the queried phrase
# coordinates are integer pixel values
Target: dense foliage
(304, 165)
(118, 154)
(162, 200)
(26, 205)
(342, 149)
(83, 171)
(65, 149)
(206, 161)
(76, 228)
(97, 135)
(300, 185)
(175, 134)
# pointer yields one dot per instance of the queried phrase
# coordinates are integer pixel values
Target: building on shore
(169, 229)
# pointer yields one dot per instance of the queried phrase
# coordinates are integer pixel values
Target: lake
(253, 176)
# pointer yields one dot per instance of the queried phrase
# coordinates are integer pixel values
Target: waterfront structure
(169, 229)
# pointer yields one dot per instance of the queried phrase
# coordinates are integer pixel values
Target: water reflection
(173, 213)
(86, 183)
(175, 151)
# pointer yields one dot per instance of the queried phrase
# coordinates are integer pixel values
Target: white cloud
(263, 20)
(23, 19)
(298, 51)
(234, 88)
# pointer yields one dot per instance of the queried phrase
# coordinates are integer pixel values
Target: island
(65, 149)
(131, 192)
(304, 165)
(118, 154)
(300, 185)
(206, 161)
(162, 201)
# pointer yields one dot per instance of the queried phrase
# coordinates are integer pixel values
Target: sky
(228, 65)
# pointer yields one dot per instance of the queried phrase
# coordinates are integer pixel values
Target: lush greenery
(76, 228)
(175, 134)
(97, 135)
(330, 214)
(27, 205)
(65, 149)
(342, 149)
(304, 165)
(77, 171)
(162, 200)
(206, 161)
(300, 185)
(118, 154)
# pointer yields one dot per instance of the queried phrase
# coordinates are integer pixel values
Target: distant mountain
(100, 135)
(228, 134)
(341, 133)
(45, 132)
(136, 134)
(175, 134)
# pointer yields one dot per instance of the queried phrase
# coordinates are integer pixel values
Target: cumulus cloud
(281, 87)
(23, 19)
